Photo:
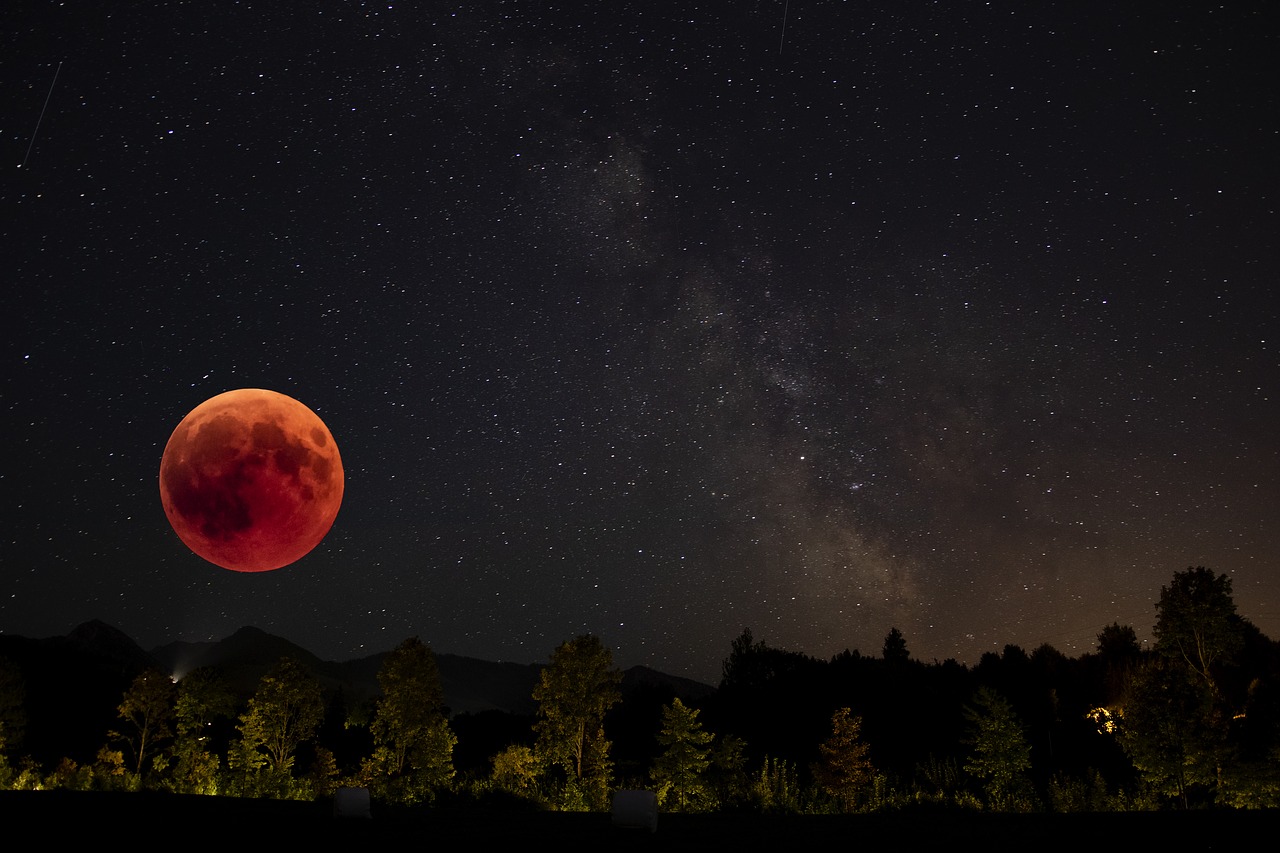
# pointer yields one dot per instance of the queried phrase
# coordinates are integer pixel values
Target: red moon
(251, 480)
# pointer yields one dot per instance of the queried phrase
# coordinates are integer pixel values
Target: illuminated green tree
(324, 774)
(1000, 755)
(202, 700)
(844, 770)
(679, 772)
(413, 744)
(110, 772)
(1251, 784)
(516, 770)
(283, 714)
(147, 711)
(574, 692)
(1170, 730)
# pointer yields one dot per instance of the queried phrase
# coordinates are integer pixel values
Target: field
(68, 817)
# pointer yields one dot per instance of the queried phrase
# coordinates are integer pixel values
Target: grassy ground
(67, 817)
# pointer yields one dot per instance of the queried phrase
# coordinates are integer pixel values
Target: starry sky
(650, 319)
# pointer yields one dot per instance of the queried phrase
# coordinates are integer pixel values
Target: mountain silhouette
(100, 659)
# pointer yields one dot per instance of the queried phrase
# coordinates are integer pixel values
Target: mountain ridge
(471, 685)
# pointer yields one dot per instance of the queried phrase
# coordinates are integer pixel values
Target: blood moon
(251, 480)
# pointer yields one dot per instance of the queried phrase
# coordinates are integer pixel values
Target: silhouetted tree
(747, 664)
(727, 775)
(1119, 654)
(1197, 622)
(13, 717)
(752, 664)
(1118, 642)
(895, 647)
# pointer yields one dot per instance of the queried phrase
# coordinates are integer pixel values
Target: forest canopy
(1193, 721)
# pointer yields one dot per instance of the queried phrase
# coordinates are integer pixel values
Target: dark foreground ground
(62, 817)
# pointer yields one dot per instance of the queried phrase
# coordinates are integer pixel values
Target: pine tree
(679, 772)
(1001, 756)
(895, 647)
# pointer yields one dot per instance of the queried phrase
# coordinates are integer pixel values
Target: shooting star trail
(41, 118)
(783, 38)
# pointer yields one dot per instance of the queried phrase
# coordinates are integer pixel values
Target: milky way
(958, 319)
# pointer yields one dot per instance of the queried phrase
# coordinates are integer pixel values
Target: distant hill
(243, 658)
(100, 659)
(471, 685)
(72, 686)
(642, 677)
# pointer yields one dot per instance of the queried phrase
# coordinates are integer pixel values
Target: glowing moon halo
(251, 480)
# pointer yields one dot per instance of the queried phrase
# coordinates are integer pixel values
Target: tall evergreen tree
(895, 647)
(1000, 756)
(679, 771)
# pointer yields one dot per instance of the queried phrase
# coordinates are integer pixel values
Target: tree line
(1192, 722)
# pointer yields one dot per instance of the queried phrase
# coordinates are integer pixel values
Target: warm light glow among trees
(1194, 722)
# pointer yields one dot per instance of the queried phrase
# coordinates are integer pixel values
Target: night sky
(650, 319)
